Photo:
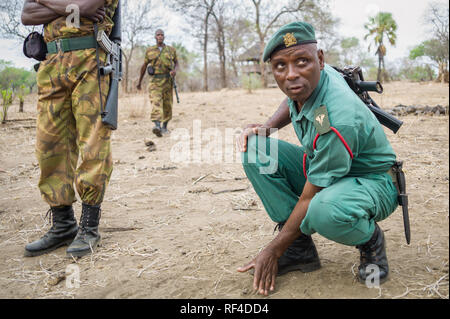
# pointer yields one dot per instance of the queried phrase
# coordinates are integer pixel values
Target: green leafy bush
(251, 81)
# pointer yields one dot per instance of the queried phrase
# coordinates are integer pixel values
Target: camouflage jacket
(164, 62)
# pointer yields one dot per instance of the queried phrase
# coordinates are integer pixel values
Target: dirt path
(180, 230)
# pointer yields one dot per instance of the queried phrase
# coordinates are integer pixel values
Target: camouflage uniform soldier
(69, 123)
(163, 59)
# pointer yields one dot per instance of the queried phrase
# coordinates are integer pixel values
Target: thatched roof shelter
(251, 55)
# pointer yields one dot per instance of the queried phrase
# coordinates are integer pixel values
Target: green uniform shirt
(331, 161)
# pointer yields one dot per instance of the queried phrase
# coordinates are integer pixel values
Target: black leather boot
(88, 236)
(64, 229)
(300, 255)
(373, 257)
(157, 128)
(164, 129)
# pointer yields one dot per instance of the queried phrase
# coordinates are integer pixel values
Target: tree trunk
(261, 36)
(21, 107)
(262, 64)
(384, 74)
(234, 67)
(125, 74)
(379, 68)
(443, 75)
(205, 57)
(223, 71)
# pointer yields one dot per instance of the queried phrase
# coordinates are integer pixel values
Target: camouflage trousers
(72, 144)
(161, 98)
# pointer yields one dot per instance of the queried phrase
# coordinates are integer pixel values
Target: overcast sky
(353, 14)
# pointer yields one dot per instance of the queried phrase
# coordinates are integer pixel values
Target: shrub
(251, 81)
(7, 99)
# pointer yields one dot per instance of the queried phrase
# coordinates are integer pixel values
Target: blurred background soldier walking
(161, 64)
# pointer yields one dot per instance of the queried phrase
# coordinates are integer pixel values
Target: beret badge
(289, 40)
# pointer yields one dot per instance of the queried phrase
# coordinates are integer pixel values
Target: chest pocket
(153, 55)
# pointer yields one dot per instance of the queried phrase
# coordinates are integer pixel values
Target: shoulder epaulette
(321, 120)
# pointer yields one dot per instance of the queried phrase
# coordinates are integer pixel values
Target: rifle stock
(109, 117)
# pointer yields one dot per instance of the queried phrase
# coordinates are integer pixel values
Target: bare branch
(10, 20)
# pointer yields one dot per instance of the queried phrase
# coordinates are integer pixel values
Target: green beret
(291, 34)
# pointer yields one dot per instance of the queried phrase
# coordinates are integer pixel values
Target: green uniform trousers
(72, 144)
(344, 212)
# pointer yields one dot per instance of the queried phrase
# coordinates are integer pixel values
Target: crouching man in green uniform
(336, 184)
(69, 126)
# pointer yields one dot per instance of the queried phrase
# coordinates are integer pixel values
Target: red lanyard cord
(314, 147)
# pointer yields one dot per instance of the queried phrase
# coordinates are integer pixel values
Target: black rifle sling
(153, 65)
(102, 111)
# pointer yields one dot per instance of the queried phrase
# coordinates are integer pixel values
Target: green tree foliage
(436, 48)
(189, 68)
(251, 82)
(12, 77)
(413, 70)
(21, 91)
(418, 73)
(381, 27)
(433, 49)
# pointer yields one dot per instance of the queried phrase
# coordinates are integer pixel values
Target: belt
(391, 173)
(161, 75)
(71, 44)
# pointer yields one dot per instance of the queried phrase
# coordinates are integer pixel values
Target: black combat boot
(300, 255)
(164, 129)
(64, 229)
(88, 236)
(373, 258)
(157, 128)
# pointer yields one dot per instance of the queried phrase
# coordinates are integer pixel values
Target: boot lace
(49, 216)
(48, 219)
(84, 221)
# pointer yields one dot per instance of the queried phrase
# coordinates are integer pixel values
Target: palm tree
(380, 26)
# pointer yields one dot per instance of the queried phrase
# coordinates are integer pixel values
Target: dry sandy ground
(180, 230)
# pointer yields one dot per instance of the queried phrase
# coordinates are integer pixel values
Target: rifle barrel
(116, 32)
